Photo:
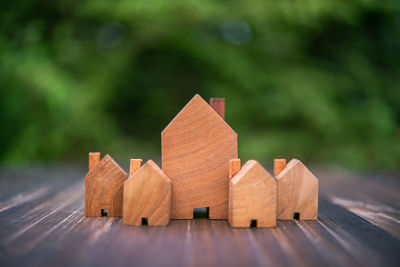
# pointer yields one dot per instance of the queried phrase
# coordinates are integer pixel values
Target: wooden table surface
(42, 223)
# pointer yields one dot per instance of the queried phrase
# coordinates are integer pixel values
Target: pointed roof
(103, 188)
(147, 194)
(253, 196)
(107, 162)
(196, 109)
(255, 167)
(150, 168)
(297, 165)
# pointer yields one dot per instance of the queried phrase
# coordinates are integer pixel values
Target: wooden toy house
(297, 191)
(200, 169)
(252, 196)
(103, 187)
(147, 196)
(196, 148)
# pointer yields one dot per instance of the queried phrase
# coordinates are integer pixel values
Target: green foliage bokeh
(313, 79)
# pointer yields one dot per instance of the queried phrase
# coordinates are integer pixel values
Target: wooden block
(147, 197)
(252, 197)
(218, 104)
(196, 148)
(134, 166)
(94, 158)
(234, 167)
(297, 193)
(104, 188)
(279, 165)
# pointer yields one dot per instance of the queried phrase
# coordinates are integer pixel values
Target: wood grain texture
(252, 196)
(196, 148)
(94, 158)
(104, 188)
(279, 165)
(234, 167)
(297, 192)
(147, 194)
(42, 223)
(134, 166)
(218, 104)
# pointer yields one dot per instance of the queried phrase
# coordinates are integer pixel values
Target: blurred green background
(313, 79)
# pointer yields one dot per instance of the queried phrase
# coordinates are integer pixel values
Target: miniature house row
(200, 169)
(255, 197)
(144, 198)
(258, 199)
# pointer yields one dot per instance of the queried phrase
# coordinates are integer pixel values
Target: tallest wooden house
(196, 148)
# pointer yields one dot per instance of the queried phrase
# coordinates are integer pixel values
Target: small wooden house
(297, 191)
(196, 148)
(147, 196)
(252, 197)
(103, 187)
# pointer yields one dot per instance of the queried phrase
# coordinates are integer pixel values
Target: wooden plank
(234, 167)
(252, 197)
(196, 148)
(218, 104)
(147, 197)
(104, 188)
(373, 198)
(297, 193)
(42, 223)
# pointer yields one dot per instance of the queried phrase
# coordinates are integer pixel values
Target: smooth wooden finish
(147, 196)
(252, 197)
(196, 148)
(279, 165)
(42, 223)
(94, 158)
(134, 166)
(297, 192)
(218, 104)
(234, 167)
(103, 189)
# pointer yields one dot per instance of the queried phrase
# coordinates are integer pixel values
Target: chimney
(134, 166)
(234, 167)
(94, 158)
(279, 165)
(218, 104)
